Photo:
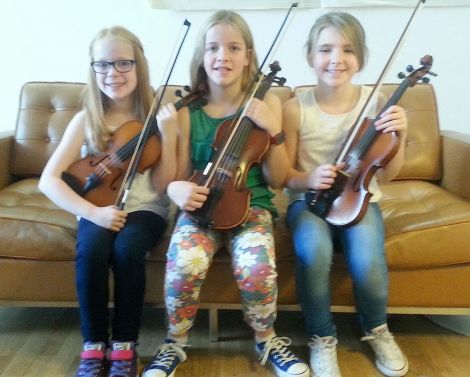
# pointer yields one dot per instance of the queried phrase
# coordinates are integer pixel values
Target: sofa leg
(213, 325)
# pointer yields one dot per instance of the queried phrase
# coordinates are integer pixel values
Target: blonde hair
(348, 26)
(198, 74)
(96, 103)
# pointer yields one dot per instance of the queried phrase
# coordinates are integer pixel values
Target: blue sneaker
(166, 359)
(283, 361)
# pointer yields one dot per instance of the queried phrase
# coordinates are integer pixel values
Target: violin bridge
(225, 172)
(103, 166)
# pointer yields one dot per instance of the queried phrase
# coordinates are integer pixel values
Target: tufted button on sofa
(426, 211)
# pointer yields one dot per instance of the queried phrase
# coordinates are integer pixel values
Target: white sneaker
(323, 357)
(390, 360)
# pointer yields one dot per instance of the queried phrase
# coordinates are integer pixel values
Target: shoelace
(166, 354)
(318, 342)
(120, 368)
(324, 358)
(91, 367)
(278, 346)
(390, 350)
(385, 335)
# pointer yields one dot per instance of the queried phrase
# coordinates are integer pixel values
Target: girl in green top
(223, 65)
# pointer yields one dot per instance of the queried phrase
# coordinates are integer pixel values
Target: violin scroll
(419, 74)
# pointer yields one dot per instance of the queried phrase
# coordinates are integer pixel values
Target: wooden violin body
(99, 178)
(346, 202)
(229, 199)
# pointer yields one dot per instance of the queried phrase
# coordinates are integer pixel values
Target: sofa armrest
(456, 163)
(5, 144)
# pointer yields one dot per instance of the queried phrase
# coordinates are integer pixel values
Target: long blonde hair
(96, 102)
(198, 74)
(348, 26)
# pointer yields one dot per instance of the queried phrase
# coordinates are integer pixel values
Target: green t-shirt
(203, 128)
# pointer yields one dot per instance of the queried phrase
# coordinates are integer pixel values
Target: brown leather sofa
(426, 211)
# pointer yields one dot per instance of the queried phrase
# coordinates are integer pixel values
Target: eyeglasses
(121, 66)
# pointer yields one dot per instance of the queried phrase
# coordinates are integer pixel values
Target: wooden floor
(45, 342)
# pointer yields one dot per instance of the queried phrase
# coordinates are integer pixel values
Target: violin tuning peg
(178, 93)
(432, 73)
(425, 80)
(401, 75)
(187, 88)
(280, 80)
(409, 68)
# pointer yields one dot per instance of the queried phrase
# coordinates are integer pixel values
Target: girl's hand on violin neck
(393, 119)
(109, 217)
(323, 177)
(187, 195)
(260, 113)
(167, 119)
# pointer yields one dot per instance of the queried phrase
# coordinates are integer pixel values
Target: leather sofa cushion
(417, 216)
(411, 209)
(32, 227)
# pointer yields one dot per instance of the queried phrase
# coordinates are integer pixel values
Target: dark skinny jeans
(98, 250)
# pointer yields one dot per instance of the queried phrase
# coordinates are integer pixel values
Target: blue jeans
(98, 250)
(363, 248)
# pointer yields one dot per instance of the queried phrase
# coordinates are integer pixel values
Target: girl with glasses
(108, 237)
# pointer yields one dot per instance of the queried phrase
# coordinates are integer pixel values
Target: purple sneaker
(124, 360)
(92, 360)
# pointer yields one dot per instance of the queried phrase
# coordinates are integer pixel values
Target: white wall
(48, 41)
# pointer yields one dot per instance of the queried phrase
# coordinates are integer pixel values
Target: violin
(99, 178)
(346, 201)
(238, 144)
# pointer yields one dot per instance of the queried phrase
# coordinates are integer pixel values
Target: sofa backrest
(46, 108)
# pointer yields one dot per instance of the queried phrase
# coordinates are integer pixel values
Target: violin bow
(133, 164)
(379, 83)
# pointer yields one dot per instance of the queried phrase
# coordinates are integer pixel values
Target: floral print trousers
(190, 255)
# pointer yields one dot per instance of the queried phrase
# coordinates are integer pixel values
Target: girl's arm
(290, 123)
(393, 119)
(166, 169)
(185, 194)
(267, 114)
(52, 185)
